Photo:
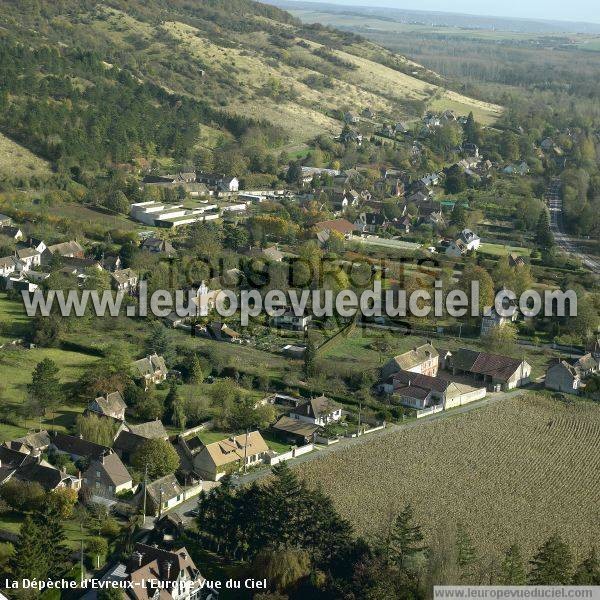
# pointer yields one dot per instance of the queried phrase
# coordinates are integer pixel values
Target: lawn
(209, 436)
(13, 320)
(535, 462)
(503, 250)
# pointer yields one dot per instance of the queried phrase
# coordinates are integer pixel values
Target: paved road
(322, 451)
(563, 241)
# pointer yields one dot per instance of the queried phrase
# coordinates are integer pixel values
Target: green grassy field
(16, 161)
(503, 250)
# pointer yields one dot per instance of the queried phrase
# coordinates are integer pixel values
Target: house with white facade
(319, 411)
(422, 359)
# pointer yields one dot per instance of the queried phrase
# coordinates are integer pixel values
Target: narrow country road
(554, 202)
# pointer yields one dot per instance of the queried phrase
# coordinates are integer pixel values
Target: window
(98, 474)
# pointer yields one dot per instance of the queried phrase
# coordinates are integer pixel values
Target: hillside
(221, 59)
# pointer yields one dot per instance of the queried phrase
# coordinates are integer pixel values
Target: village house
(125, 280)
(107, 476)
(563, 376)
(423, 359)
(158, 246)
(419, 391)
(218, 331)
(492, 319)
(470, 239)
(289, 320)
(323, 229)
(71, 249)
(129, 440)
(272, 254)
(370, 222)
(318, 411)
(351, 136)
(152, 369)
(47, 476)
(219, 181)
(29, 258)
(204, 300)
(76, 447)
(112, 405)
(498, 372)
(214, 460)
(163, 494)
(14, 233)
(152, 573)
(294, 431)
(343, 199)
(9, 265)
(33, 443)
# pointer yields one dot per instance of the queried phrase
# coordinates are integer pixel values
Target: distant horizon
(577, 11)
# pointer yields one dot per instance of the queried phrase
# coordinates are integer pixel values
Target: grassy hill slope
(242, 58)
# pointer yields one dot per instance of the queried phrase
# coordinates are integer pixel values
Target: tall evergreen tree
(29, 560)
(45, 389)
(512, 569)
(466, 555)
(552, 563)
(406, 538)
(543, 235)
(310, 356)
(52, 534)
(588, 571)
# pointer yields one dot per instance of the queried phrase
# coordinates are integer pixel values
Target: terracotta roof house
(111, 405)
(151, 368)
(295, 431)
(153, 573)
(216, 459)
(422, 359)
(317, 411)
(342, 226)
(107, 476)
(422, 391)
(496, 370)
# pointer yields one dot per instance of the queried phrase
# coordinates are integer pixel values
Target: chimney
(169, 564)
(139, 556)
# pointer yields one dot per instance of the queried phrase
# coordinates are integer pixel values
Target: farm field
(515, 471)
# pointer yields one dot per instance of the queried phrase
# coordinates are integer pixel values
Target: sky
(559, 10)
